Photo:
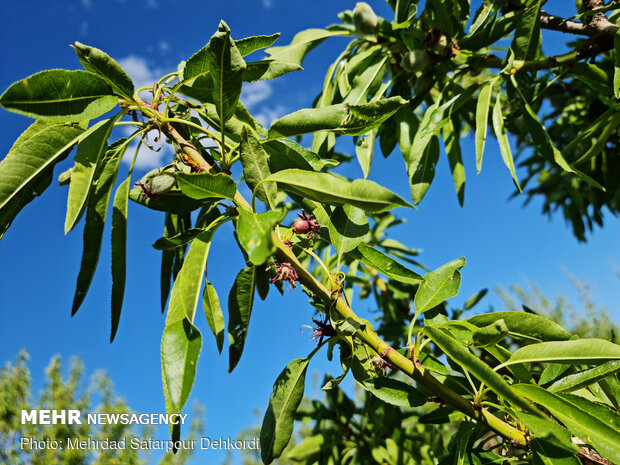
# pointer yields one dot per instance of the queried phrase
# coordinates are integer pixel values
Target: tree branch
(557, 23)
(367, 335)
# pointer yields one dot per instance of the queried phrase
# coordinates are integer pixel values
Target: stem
(371, 339)
(366, 334)
(189, 123)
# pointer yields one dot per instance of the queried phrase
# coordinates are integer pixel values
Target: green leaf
(617, 65)
(482, 120)
(182, 238)
(491, 334)
(433, 120)
(186, 289)
(463, 357)
(585, 378)
(262, 281)
(286, 154)
(592, 76)
(439, 285)
(223, 61)
(119, 252)
(364, 150)
(251, 44)
(172, 259)
(606, 414)
(527, 41)
(213, 312)
(502, 139)
(395, 392)
(327, 188)
(588, 428)
(524, 325)
(309, 448)
(96, 214)
(520, 371)
(90, 151)
(256, 168)
(340, 118)
(580, 352)
(365, 77)
(254, 231)
(441, 416)
(547, 453)
(384, 264)
(549, 430)
(100, 63)
(206, 185)
(61, 96)
(240, 301)
(302, 43)
(268, 69)
(180, 348)
(347, 228)
(173, 202)
(27, 169)
(451, 137)
(543, 141)
(277, 427)
(422, 170)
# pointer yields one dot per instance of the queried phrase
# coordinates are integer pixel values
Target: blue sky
(503, 242)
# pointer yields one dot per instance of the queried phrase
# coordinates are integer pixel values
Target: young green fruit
(162, 183)
(365, 19)
(414, 61)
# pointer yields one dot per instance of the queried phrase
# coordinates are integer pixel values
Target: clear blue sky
(503, 242)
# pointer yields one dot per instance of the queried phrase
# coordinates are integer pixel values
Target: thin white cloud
(254, 93)
(138, 68)
(86, 3)
(267, 3)
(163, 46)
(267, 115)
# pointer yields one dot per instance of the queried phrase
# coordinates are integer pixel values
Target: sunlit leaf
(213, 313)
(439, 285)
(96, 214)
(206, 185)
(100, 63)
(61, 96)
(254, 231)
(327, 188)
(277, 427)
(27, 169)
(180, 348)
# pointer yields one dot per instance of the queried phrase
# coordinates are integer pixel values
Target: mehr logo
(51, 417)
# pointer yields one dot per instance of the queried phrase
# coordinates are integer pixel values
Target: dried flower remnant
(285, 273)
(380, 365)
(322, 329)
(306, 225)
(148, 194)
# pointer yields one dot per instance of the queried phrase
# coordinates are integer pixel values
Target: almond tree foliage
(420, 81)
(64, 393)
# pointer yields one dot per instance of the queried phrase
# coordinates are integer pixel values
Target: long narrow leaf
(96, 214)
(119, 252)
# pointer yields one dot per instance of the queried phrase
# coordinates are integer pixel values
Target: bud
(441, 47)
(365, 20)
